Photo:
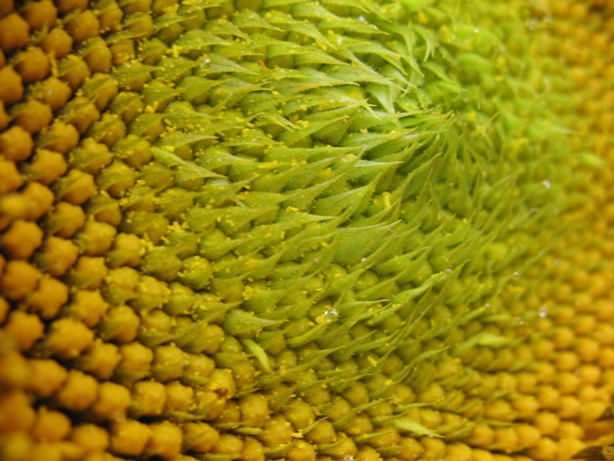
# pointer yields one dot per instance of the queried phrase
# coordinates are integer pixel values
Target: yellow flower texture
(354, 230)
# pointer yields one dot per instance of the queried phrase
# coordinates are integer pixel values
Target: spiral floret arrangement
(305, 230)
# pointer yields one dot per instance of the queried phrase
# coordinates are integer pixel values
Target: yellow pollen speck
(386, 196)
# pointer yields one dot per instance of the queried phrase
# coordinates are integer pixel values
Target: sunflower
(306, 230)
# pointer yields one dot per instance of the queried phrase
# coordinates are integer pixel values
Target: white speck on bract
(331, 314)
